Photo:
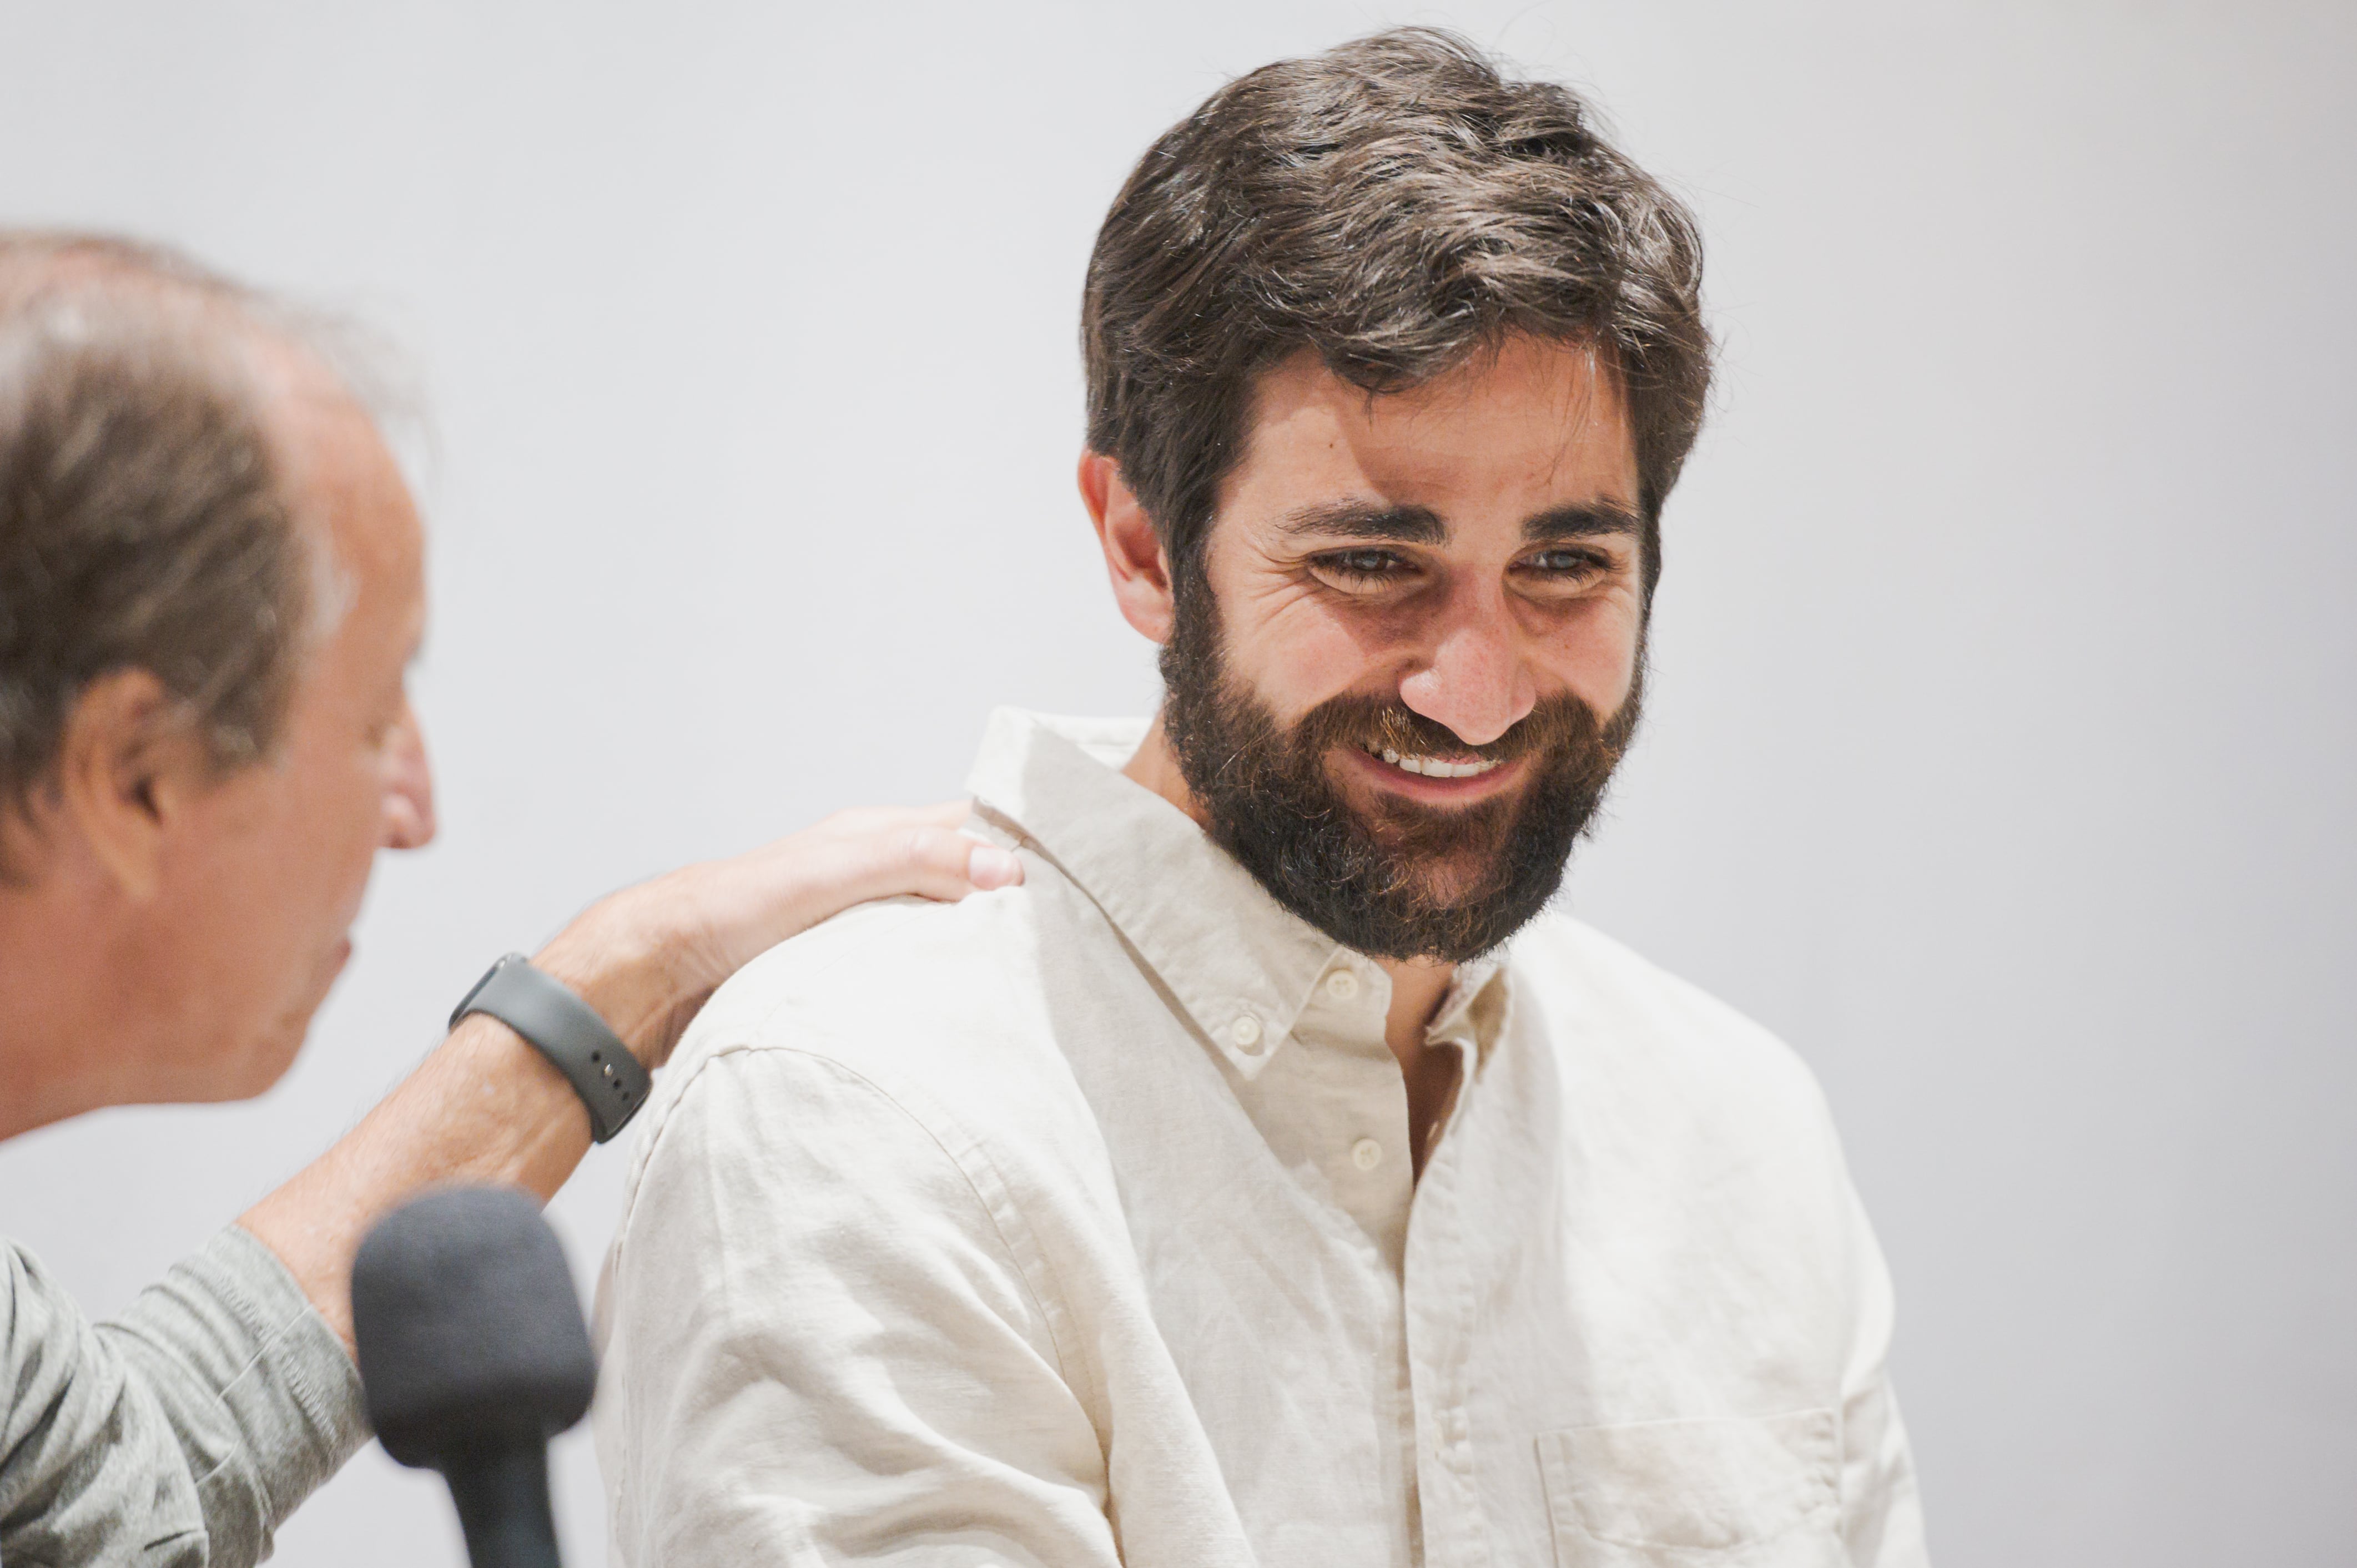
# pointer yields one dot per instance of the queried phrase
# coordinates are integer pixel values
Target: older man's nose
(408, 789)
(1476, 682)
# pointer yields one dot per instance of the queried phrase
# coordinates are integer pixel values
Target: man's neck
(61, 1025)
(1418, 985)
(1156, 766)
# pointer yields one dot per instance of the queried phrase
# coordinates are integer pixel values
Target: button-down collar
(1243, 967)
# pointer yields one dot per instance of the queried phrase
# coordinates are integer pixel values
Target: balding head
(146, 503)
(210, 585)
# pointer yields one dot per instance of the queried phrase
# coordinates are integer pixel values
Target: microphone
(472, 1355)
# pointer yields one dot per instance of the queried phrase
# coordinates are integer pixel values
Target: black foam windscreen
(468, 1332)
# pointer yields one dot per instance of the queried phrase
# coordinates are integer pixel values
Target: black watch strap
(568, 1032)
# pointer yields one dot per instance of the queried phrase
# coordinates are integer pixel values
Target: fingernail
(990, 866)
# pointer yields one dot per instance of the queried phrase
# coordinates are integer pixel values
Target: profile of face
(265, 867)
(1411, 658)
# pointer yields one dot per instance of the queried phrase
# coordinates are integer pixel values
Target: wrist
(626, 974)
(490, 1107)
(610, 1080)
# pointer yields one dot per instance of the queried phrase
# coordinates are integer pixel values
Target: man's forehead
(1552, 380)
(327, 439)
(1537, 424)
(345, 487)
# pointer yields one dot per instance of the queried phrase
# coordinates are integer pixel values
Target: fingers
(882, 852)
(947, 813)
(676, 938)
(936, 862)
(989, 867)
(917, 850)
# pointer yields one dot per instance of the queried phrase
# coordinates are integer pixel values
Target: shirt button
(1245, 1032)
(1341, 985)
(1366, 1153)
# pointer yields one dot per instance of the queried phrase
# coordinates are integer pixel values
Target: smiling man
(1271, 1179)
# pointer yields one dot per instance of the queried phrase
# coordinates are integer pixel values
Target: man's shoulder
(1612, 1013)
(931, 1008)
(900, 1045)
(875, 968)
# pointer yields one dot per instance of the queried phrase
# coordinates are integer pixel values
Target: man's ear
(1132, 549)
(129, 767)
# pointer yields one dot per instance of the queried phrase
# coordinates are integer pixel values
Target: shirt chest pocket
(1763, 1493)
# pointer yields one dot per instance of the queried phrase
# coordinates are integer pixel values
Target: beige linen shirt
(1075, 1224)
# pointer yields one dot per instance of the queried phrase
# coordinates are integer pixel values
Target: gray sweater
(178, 1435)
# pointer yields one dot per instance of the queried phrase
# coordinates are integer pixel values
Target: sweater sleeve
(180, 1434)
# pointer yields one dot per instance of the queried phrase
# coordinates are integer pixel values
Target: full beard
(1398, 879)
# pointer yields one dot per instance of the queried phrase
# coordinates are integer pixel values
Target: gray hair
(143, 520)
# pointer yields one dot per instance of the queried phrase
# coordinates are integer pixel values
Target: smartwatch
(568, 1032)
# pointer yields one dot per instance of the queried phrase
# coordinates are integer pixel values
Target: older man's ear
(1132, 549)
(129, 767)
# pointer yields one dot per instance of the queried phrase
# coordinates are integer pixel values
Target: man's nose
(408, 789)
(1476, 681)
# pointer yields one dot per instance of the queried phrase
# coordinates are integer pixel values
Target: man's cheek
(1298, 656)
(1598, 662)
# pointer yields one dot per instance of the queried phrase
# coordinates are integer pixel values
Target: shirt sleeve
(824, 1349)
(180, 1434)
(1882, 1524)
(1882, 1513)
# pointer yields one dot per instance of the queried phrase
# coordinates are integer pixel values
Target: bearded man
(1270, 1179)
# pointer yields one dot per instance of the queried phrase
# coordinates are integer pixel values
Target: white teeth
(1434, 766)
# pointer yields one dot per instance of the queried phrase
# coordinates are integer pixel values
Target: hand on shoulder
(648, 957)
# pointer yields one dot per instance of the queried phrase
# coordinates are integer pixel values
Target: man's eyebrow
(1365, 519)
(1583, 521)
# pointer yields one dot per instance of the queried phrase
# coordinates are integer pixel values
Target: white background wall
(2003, 746)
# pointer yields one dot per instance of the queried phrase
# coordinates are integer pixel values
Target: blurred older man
(212, 585)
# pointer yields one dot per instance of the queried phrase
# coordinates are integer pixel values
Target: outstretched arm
(184, 1430)
(487, 1107)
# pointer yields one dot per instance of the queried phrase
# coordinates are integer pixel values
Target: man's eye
(1566, 565)
(1363, 566)
(1563, 561)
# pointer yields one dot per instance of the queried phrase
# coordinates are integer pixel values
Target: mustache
(1557, 724)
